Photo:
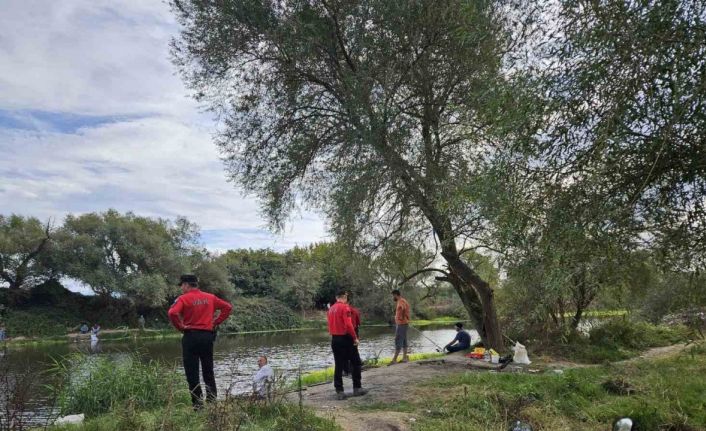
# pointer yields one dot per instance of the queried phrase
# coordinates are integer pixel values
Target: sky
(93, 116)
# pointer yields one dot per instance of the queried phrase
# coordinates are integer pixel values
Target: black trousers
(197, 346)
(343, 351)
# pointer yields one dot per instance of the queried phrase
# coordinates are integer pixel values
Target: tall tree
(23, 243)
(255, 272)
(628, 90)
(372, 110)
(125, 255)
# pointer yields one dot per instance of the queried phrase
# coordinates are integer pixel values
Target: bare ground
(400, 382)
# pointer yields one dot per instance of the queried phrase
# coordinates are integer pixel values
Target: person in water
(461, 342)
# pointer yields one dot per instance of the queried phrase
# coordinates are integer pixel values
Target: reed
(94, 384)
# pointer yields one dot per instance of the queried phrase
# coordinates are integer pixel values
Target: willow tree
(23, 245)
(374, 111)
(629, 87)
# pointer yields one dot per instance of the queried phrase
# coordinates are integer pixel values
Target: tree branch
(422, 271)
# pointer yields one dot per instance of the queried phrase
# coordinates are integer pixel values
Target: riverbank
(660, 389)
(439, 392)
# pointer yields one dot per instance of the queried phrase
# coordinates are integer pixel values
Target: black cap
(188, 278)
(459, 325)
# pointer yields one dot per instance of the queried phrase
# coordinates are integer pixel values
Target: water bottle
(520, 426)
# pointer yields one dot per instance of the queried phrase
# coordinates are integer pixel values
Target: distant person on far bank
(83, 329)
(194, 314)
(141, 322)
(3, 333)
(262, 379)
(402, 317)
(96, 329)
(461, 342)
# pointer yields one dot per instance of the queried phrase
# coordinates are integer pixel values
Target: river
(235, 356)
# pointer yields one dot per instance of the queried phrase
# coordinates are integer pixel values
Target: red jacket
(195, 310)
(339, 320)
(355, 316)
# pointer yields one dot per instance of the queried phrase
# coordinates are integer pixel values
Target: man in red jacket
(193, 313)
(344, 341)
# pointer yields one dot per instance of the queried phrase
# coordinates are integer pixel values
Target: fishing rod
(438, 349)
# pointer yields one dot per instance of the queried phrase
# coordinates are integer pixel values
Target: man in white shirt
(263, 376)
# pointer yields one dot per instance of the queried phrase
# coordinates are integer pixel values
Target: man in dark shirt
(462, 340)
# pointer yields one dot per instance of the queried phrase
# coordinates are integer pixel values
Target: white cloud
(89, 57)
(150, 152)
(152, 166)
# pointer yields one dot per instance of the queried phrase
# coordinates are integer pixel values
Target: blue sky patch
(61, 122)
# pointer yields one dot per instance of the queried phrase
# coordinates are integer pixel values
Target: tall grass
(94, 384)
(224, 415)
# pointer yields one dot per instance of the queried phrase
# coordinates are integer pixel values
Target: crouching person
(461, 342)
(263, 379)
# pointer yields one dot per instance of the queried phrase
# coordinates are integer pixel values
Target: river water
(235, 356)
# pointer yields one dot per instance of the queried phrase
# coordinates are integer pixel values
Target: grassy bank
(223, 415)
(616, 339)
(664, 394)
(131, 393)
(326, 375)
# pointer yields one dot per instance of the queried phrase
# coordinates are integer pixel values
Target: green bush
(614, 340)
(260, 314)
(95, 384)
(628, 334)
(37, 323)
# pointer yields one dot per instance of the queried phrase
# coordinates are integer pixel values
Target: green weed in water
(94, 384)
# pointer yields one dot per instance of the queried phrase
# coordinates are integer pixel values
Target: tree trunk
(471, 284)
(470, 302)
(576, 320)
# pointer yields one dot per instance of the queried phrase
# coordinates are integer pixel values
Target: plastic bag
(520, 356)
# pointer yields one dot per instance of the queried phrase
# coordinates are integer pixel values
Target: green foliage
(246, 417)
(623, 332)
(376, 112)
(24, 242)
(255, 272)
(260, 314)
(618, 339)
(39, 322)
(95, 385)
(122, 254)
(212, 273)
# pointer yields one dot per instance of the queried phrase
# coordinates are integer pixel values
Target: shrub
(35, 324)
(260, 314)
(628, 334)
(94, 384)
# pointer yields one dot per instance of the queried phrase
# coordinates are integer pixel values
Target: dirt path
(387, 385)
(400, 382)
